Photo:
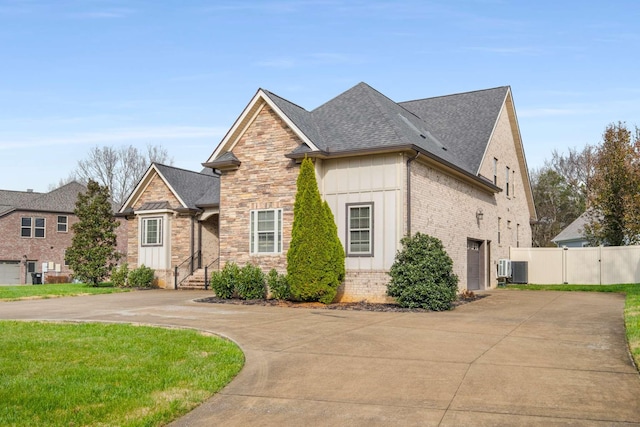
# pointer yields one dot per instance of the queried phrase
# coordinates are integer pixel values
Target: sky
(76, 74)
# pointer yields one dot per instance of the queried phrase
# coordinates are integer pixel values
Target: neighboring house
(453, 167)
(35, 230)
(573, 235)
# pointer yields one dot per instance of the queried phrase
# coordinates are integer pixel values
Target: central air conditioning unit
(504, 268)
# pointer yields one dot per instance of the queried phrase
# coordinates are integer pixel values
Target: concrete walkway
(512, 358)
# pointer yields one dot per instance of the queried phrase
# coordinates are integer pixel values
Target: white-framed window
(360, 229)
(25, 227)
(151, 231)
(39, 227)
(266, 231)
(63, 222)
(495, 171)
(32, 227)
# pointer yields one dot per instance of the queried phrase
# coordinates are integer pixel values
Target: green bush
(119, 276)
(278, 285)
(422, 274)
(251, 283)
(313, 269)
(141, 277)
(224, 282)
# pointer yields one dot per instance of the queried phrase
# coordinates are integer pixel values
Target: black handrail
(193, 263)
(206, 272)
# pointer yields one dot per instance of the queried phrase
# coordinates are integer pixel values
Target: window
(62, 223)
(513, 184)
(517, 235)
(32, 227)
(266, 231)
(25, 228)
(499, 226)
(39, 227)
(31, 266)
(495, 171)
(507, 182)
(152, 231)
(360, 229)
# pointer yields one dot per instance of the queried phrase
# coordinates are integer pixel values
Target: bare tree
(119, 169)
(577, 168)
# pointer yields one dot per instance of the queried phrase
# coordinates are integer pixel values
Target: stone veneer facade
(265, 180)
(183, 228)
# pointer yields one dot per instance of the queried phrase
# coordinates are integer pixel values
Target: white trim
(246, 118)
(145, 181)
(159, 231)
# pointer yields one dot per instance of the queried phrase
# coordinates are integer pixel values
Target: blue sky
(76, 74)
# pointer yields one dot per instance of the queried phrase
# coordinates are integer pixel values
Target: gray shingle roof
(62, 199)
(454, 128)
(196, 189)
(573, 231)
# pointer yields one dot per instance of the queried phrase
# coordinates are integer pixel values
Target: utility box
(520, 272)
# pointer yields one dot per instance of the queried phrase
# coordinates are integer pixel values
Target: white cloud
(109, 136)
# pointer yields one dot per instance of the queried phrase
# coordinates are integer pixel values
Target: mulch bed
(359, 306)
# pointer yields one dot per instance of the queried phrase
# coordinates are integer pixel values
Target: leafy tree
(557, 205)
(422, 274)
(119, 169)
(93, 253)
(614, 189)
(313, 272)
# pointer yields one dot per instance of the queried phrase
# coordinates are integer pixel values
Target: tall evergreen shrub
(313, 271)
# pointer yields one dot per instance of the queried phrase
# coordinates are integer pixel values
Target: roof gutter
(485, 184)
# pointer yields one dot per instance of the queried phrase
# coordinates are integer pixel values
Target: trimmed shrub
(251, 283)
(223, 282)
(119, 276)
(422, 274)
(141, 277)
(57, 279)
(337, 251)
(278, 285)
(312, 274)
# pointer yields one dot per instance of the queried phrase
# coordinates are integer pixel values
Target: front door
(473, 265)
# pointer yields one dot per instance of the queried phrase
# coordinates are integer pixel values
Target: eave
(427, 157)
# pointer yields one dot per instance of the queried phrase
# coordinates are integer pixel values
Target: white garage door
(9, 272)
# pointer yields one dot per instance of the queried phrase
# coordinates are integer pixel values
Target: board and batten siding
(376, 179)
(156, 256)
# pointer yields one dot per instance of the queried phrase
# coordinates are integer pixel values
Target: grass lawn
(108, 374)
(14, 293)
(631, 309)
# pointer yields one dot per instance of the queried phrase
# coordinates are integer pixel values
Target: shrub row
(57, 279)
(141, 277)
(248, 282)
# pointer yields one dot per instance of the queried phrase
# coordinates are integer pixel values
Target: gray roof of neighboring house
(454, 128)
(573, 231)
(196, 189)
(62, 199)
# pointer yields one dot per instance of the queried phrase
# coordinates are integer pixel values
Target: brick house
(36, 232)
(452, 166)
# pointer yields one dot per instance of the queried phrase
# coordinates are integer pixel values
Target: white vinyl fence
(581, 266)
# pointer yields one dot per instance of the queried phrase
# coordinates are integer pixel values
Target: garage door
(9, 272)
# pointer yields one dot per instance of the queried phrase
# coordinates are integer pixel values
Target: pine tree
(93, 253)
(312, 267)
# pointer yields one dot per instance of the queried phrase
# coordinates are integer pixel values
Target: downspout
(409, 161)
(193, 236)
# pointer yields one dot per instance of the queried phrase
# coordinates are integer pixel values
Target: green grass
(631, 309)
(15, 293)
(54, 374)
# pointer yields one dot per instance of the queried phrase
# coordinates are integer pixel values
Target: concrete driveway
(511, 358)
